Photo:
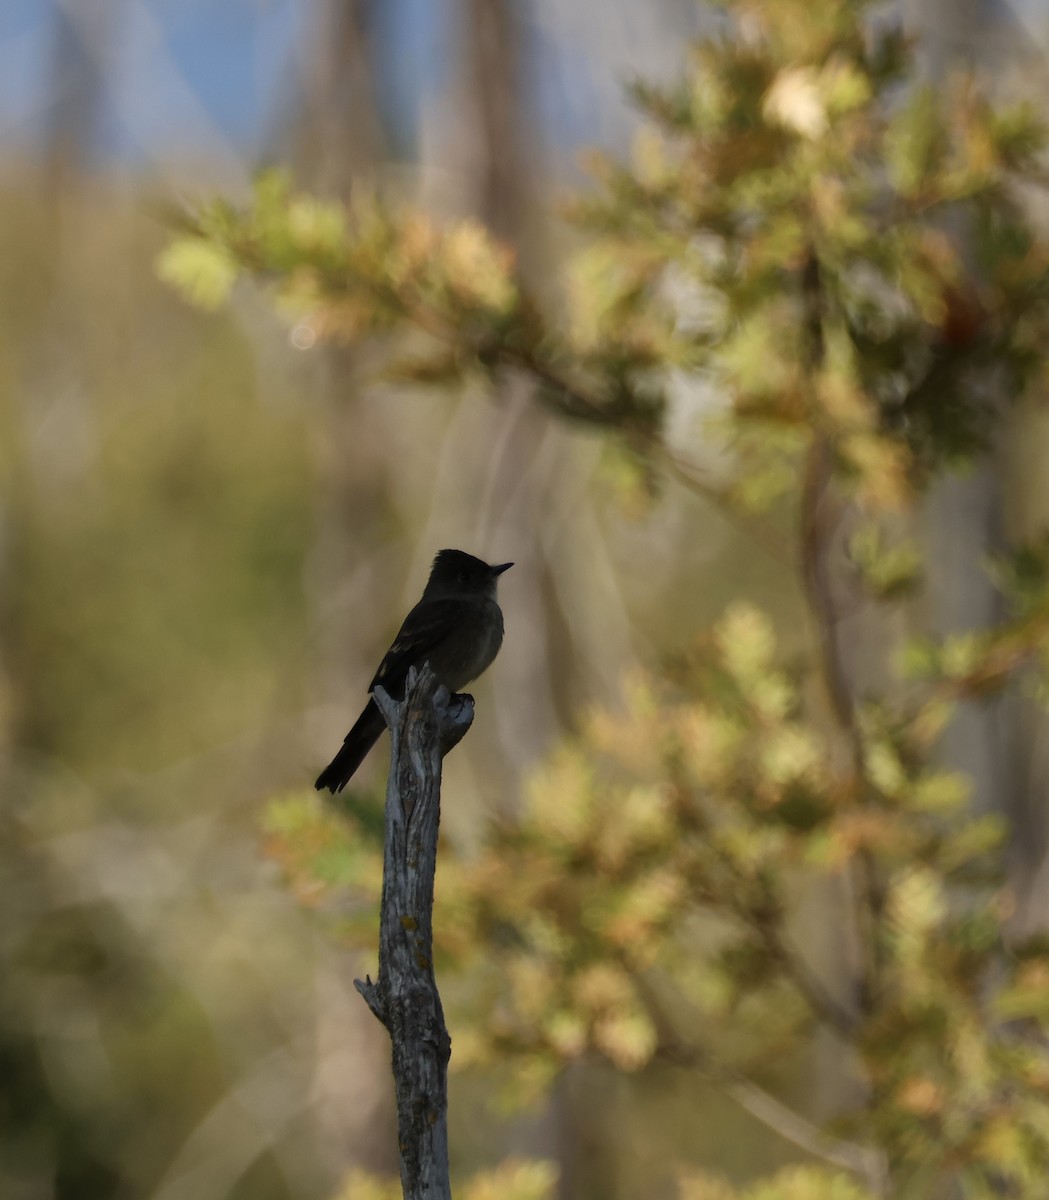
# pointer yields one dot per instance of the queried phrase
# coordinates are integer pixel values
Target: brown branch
(866, 1162)
(763, 920)
(423, 726)
(568, 399)
(823, 1005)
(816, 529)
(575, 403)
(841, 1019)
(816, 532)
(556, 392)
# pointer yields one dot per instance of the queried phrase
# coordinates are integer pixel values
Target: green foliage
(888, 571)
(202, 270)
(794, 1183)
(318, 848)
(777, 186)
(839, 254)
(1023, 576)
(513, 1179)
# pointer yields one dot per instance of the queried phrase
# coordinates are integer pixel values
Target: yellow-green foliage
(513, 1179)
(786, 236)
(794, 1183)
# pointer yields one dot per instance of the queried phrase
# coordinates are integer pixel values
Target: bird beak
(501, 568)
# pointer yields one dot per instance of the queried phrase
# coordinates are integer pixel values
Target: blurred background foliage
(726, 886)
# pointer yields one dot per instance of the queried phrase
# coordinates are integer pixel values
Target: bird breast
(484, 643)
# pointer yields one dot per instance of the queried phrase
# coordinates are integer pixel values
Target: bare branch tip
(370, 992)
(386, 703)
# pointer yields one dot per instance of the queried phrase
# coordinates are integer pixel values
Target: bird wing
(429, 622)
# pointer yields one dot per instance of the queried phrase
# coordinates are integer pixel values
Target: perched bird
(457, 627)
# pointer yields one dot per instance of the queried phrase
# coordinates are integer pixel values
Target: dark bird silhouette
(457, 627)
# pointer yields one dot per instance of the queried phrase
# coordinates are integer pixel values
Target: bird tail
(365, 733)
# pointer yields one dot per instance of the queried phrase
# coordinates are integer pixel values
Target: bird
(457, 627)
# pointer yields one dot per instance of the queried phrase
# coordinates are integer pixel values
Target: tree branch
(762, 919)
(424, 726)
(815, 533)
(866, 1162)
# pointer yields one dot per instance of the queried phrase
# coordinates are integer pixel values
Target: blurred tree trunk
(333, 138)
(335, 129)
(77, 91)
(496, 56)
(502, 161)
(973, 518)
(83, 39)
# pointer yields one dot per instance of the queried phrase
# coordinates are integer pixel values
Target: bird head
(454, 573)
